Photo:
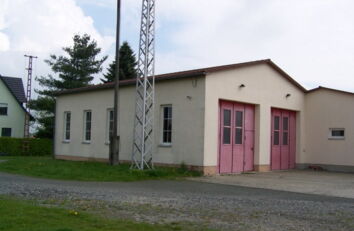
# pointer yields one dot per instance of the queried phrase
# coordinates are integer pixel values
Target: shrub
(15, 146)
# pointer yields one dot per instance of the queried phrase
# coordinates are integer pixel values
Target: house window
(3, 109)
(6, 132)
(67, 123)
(110, 120)
(87, 126)
(167, 125)
(336, 134)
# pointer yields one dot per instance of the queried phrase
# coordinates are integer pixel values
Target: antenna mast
(143, 142)
(28, 95)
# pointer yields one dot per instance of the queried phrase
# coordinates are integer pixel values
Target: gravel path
(216, 206)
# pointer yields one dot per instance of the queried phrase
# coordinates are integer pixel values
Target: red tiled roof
(188, 74)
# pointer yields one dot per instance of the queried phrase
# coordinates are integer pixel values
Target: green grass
(46, 167)
(18, 215)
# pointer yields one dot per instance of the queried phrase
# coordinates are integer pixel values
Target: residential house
(12, 111)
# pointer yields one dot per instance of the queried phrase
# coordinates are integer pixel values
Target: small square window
(6, 132)
(3, 109)
(336, 134)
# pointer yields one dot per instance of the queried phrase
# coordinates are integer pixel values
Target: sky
(312, 40)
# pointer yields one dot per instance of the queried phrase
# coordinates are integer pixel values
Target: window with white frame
(67, 125)
(87, 125)
(336, 134)
(110, 120)
(167, 124)
(3, 109)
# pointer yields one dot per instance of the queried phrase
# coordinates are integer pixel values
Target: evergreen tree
(127, 65)
(74, 70)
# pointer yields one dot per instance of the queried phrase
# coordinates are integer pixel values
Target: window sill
(66, 141)
(165, 145)
(336, 138)
(86, 142)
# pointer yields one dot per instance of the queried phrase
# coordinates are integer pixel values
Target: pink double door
(236, 137)
(283, 139)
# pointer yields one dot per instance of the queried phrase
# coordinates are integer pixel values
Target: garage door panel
(237, 156)
(225, 153)
(292, 138)
(275, 139)
(283, 142)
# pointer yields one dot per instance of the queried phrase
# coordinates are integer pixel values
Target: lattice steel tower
(145, 90)
(28, 95)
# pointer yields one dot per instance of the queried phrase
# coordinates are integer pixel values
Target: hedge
(15, 146)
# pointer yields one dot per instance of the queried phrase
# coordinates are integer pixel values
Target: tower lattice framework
(28, 94)
(145, 90)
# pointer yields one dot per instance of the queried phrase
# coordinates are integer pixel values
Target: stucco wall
(188, 123)
(265, 88)
(16, 115)
(328, 109)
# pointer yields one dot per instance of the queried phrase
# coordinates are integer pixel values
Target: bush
(16, 146)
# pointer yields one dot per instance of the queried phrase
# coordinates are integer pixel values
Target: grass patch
(47, 167)
(18, 215)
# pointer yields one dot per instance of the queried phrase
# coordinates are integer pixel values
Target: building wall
(186, 97)
(265, 88)
(16, 115)
(328, 109)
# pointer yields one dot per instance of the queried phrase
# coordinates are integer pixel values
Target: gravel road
(215, 206)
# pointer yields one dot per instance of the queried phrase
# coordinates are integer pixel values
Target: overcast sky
(312, 40)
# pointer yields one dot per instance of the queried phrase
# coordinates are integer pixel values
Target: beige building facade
(323, 132)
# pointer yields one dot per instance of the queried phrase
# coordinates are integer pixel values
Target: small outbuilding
(227, 119)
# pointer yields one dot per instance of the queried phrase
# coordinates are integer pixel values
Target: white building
(226, 119)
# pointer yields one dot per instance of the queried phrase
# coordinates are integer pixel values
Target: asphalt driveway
(301, 181)
(223, 207)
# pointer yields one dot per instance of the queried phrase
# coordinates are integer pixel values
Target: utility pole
(114, 139)
(28, 95)
(143, 143)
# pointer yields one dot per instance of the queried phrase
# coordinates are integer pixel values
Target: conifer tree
(127, 65)
(73, 70)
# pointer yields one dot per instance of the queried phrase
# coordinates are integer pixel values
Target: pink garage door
(283, 139)
(236, 137)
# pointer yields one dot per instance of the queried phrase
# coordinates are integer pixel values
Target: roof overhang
(188, 74)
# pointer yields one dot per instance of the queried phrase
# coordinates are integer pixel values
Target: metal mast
(28, 95)
(114, 139)
(145, 90)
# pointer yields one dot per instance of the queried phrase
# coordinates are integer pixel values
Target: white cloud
(311, 40)
(4, 42)
(41, 27)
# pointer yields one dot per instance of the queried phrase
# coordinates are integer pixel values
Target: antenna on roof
(28, 93)
(143, 142)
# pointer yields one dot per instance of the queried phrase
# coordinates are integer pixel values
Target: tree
(74, 70)
(127, 65)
